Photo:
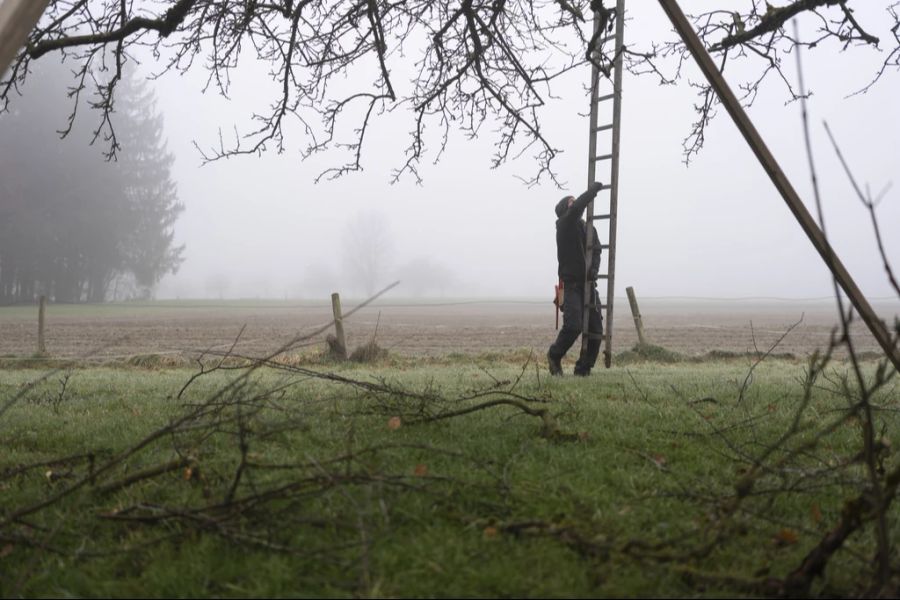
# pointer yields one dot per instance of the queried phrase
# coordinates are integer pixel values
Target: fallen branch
(148, 473)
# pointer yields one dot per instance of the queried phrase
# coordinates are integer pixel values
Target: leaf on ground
(421, 470)
(6, 550)
(815, 512)
(785, 537)
(188, 473)
(490, 532)
(394, 423)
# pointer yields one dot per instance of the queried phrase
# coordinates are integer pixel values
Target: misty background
(261, 227)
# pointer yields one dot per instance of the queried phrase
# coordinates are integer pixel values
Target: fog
(260, 226)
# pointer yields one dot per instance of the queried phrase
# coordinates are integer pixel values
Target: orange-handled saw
(558, 295)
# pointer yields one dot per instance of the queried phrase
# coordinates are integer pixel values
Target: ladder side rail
(614, 180)
(592, 167)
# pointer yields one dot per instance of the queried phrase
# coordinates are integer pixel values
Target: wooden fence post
(636, 313)
(339, 324)
(42, 347)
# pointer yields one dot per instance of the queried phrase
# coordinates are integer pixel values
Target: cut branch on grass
(142, 475)
(11, 472)
(235, 504)
(549, 427)
(793, 463)
(881, 489)
(857, 511)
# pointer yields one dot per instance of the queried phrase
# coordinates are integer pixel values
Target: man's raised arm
(577, 209)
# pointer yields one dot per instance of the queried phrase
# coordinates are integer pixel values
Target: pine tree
(71, 222)
(150, 194)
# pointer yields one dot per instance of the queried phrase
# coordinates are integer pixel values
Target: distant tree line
(75, 226)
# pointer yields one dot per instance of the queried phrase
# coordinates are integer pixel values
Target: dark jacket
(570, 240)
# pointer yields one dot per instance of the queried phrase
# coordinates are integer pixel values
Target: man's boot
(555, 365)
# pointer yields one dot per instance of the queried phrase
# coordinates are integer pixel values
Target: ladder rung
(604, 157)
(598, 217)
(596, 336)
(604, 246)
(605, 127)
(592, 305)
(606, 97)
(601, 276)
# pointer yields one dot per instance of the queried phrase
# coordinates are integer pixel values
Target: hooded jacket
(571, 236)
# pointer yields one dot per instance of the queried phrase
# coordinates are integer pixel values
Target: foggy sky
(260, 226)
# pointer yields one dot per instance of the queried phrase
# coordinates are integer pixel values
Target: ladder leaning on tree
(606, 28)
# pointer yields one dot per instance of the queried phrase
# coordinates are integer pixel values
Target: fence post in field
(42, 348)
(339, 325)
(636, 313)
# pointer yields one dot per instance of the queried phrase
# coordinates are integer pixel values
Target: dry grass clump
(369, 352)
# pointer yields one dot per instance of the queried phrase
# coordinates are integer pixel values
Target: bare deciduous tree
(473, 61)
(367, 251)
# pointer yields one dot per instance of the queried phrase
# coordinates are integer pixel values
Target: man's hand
(583, 200)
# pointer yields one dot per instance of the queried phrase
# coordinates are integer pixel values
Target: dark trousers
(573, 315)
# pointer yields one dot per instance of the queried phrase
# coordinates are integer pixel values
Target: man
(571, 233)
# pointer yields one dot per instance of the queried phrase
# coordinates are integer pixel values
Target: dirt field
(691, 327)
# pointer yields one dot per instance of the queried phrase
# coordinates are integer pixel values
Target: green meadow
(451, 477)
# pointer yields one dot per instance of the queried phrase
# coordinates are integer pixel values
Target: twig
(148, 473)
(748, 378)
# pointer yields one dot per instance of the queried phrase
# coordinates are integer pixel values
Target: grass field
(455, 476)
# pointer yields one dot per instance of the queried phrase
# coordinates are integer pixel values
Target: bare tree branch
(478, 65)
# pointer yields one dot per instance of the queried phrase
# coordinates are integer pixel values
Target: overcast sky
(261, 227)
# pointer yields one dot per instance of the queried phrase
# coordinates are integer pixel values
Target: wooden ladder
(613, 29)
